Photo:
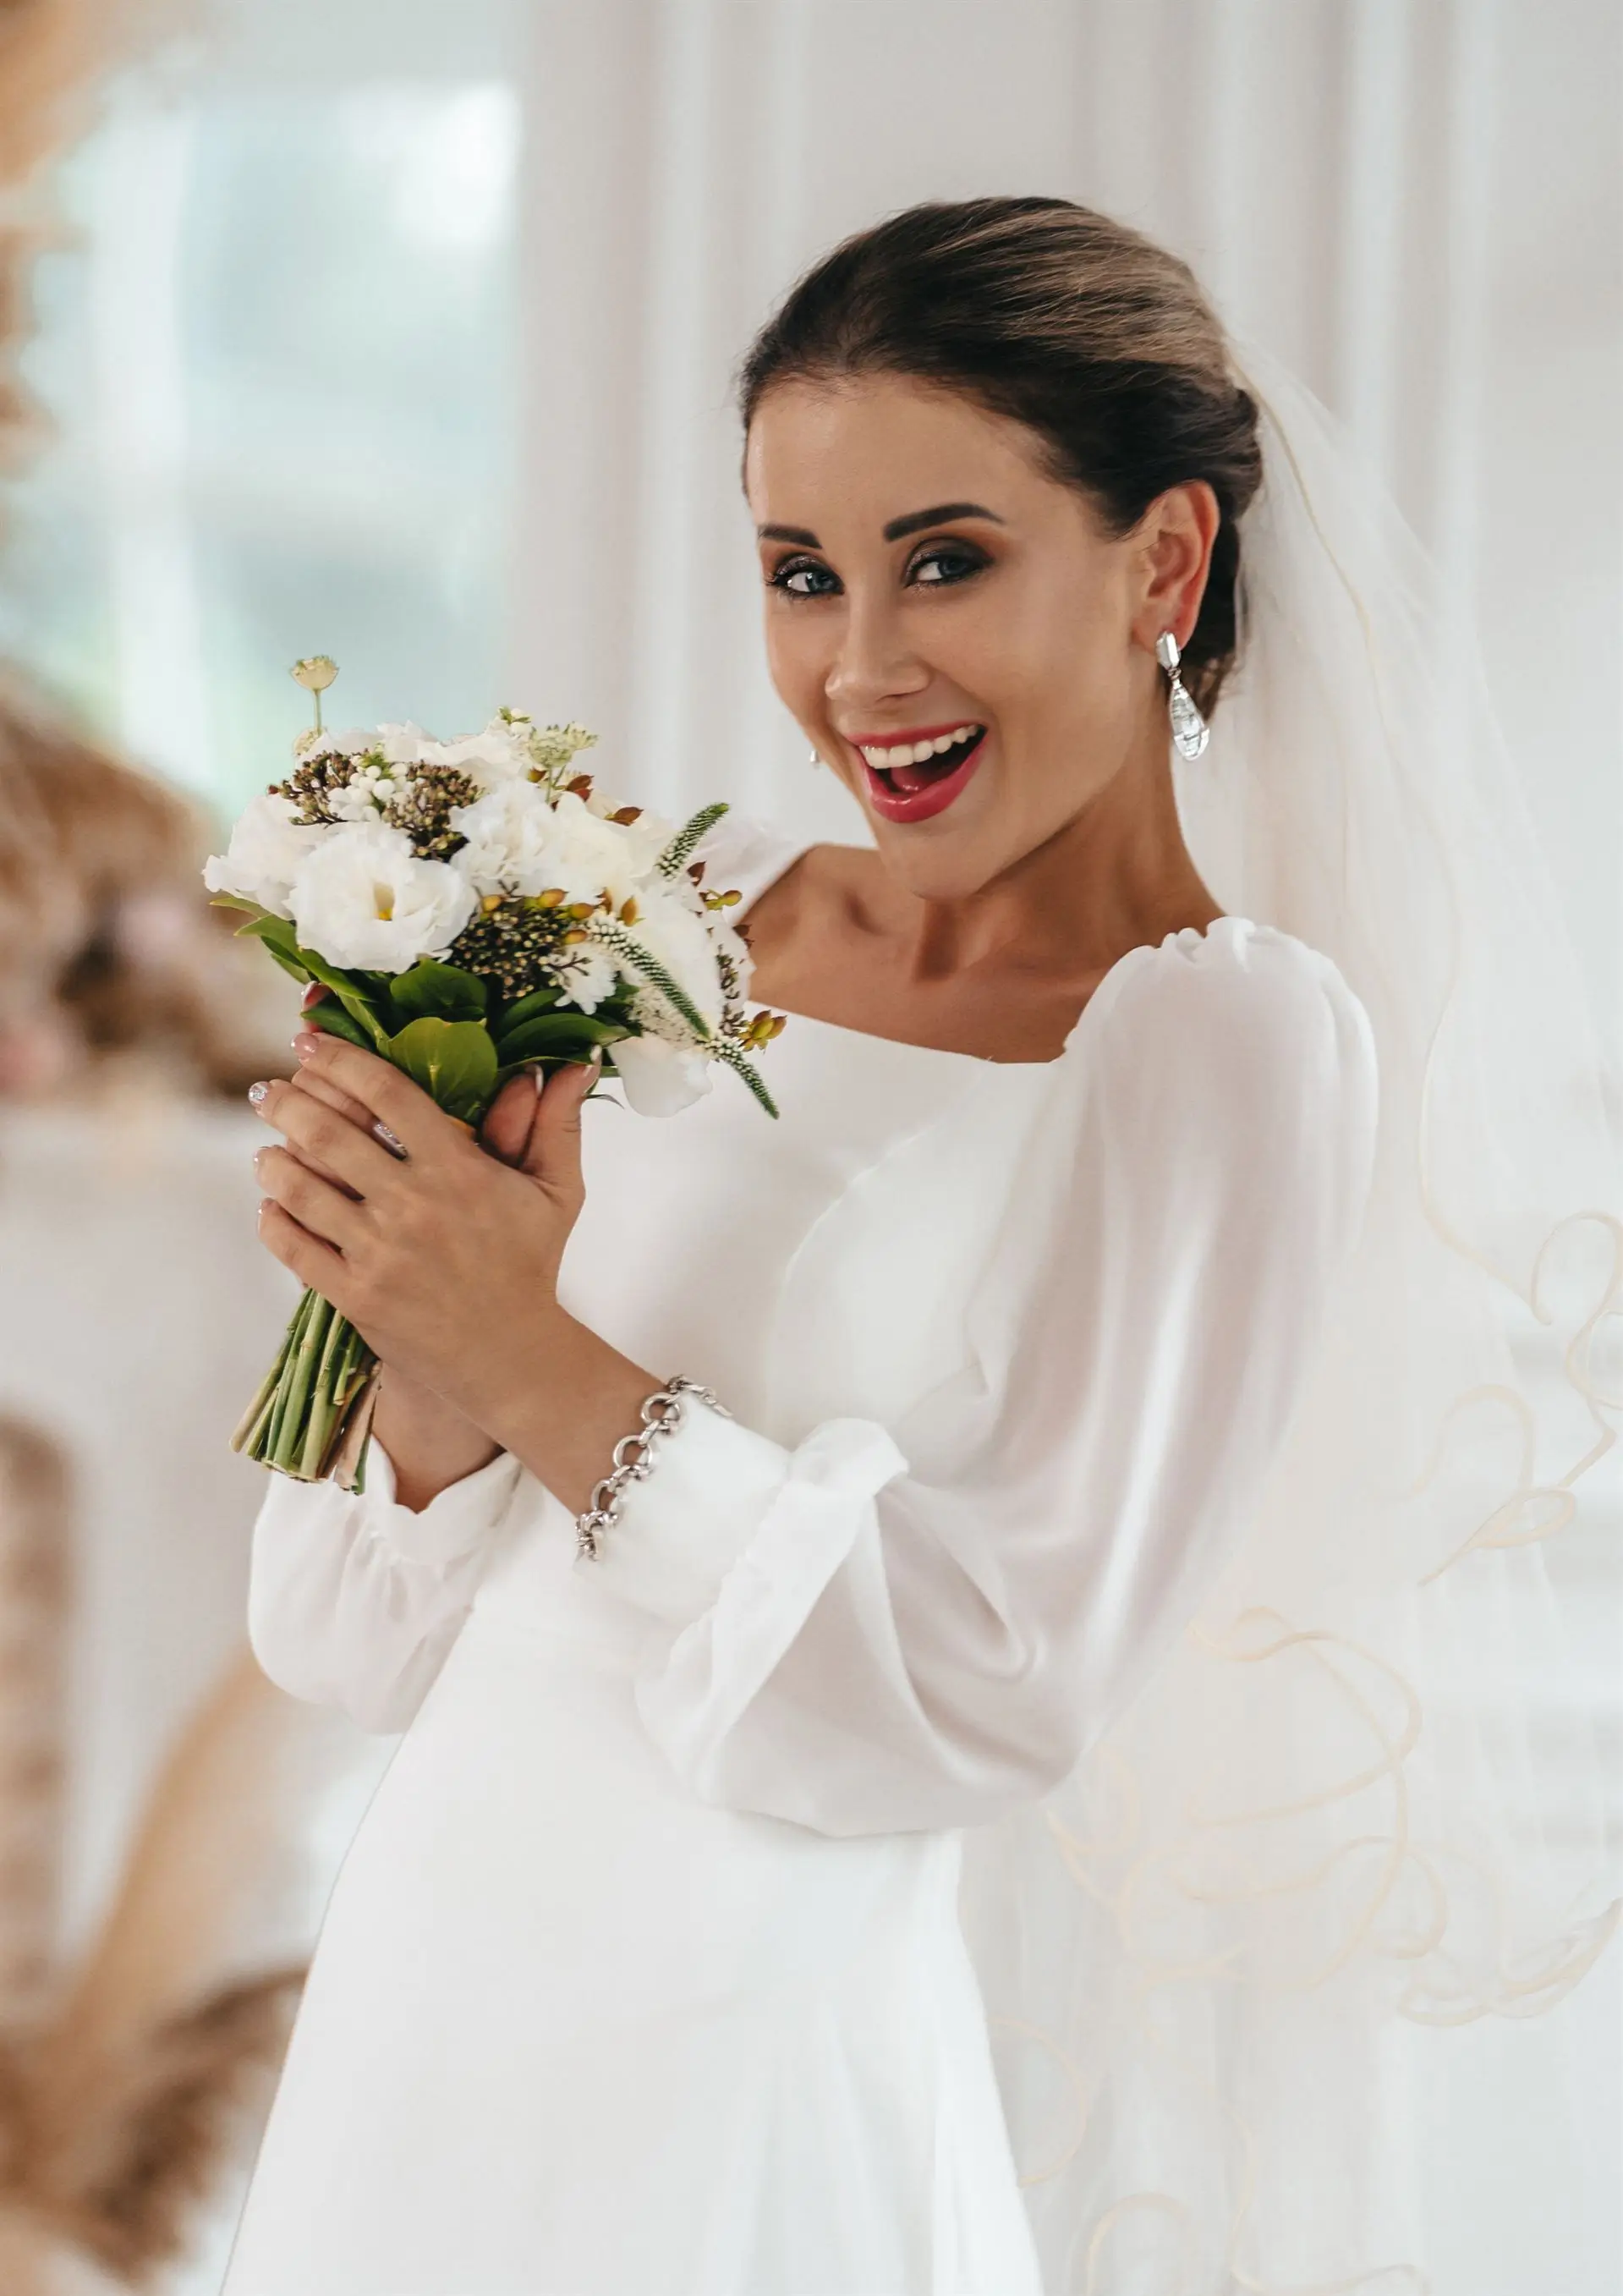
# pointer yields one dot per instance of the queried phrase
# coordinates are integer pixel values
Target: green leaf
(454, 1060)
(443, 991)
(554, 1036)
(237, 901)
(277, 932)
(352, 993)
(332, 1019)
(539, 1000)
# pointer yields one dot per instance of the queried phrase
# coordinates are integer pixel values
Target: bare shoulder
(826, 891)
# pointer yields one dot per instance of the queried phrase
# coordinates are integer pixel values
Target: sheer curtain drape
(1417, 204)
(1413, 203)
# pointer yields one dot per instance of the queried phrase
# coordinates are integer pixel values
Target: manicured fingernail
(256, 1093)
(307, 1042)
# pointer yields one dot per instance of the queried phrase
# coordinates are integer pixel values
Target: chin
(953, 860)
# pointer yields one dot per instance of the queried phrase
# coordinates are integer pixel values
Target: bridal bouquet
(469, 910)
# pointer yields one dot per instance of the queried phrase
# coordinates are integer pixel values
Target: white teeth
(915, 753)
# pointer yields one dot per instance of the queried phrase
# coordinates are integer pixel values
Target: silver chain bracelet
(662, 1413)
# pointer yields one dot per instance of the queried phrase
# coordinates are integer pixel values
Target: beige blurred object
(55, 57)
(132, 2081)
(110, 958)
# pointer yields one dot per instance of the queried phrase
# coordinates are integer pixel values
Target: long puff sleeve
(923, 1626)
(354, 1600)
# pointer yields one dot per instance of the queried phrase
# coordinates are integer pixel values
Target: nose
(874, 662)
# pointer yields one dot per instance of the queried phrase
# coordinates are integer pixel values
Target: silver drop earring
(812, 759)
(1190, 731)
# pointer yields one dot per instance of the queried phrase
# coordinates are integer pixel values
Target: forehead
(876, 444)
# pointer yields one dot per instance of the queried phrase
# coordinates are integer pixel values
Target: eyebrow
(913, 522)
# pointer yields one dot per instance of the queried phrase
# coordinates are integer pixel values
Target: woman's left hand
(445, 1258)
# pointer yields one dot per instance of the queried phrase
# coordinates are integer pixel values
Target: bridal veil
(1351, 1808)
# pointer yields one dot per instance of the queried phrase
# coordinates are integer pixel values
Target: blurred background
(405, 333)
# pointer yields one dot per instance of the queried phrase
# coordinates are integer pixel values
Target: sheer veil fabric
(1344, 1805)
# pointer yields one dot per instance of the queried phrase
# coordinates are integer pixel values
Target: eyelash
(778, 579)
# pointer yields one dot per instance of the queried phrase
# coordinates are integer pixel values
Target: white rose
(363, 898)
(661, 1079)
(268, 847)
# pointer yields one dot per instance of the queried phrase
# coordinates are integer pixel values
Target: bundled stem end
(312, 1417)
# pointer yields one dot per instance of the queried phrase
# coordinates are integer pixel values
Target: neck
(1116, 875)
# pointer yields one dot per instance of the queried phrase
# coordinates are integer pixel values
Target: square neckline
(1109, 978)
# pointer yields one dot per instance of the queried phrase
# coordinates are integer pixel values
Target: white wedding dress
(645, 1974)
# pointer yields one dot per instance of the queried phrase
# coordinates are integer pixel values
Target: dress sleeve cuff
(682, 1528)
(455, 1521)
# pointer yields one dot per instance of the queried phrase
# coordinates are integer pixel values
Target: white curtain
(1417, 204)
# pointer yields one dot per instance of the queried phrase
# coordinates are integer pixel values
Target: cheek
(797, 661)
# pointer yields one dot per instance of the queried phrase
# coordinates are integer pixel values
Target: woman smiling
(998, 1418)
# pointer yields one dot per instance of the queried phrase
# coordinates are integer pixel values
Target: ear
(1175, 539)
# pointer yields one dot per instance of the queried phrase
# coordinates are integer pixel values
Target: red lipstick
(931, 796)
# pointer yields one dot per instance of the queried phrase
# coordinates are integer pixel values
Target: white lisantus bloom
(363, 898)
(269, 845)
(661, 1078)
(471, 911)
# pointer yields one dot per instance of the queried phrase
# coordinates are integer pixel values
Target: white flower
(586, 973)
(681, 941)
(492, 759)
(268, 847)
(363, 898)
(518, 842)
(365, 795)
(513, 845)
(661, 1079)
(403, 746)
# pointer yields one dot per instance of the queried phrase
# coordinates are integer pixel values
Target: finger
(506, 1128)
(553, 1155)
(318, 1088)
(314, 1202)
(327, 1142)
(313, 1262)
(420, 1126)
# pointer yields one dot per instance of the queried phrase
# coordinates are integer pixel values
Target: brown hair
(1100, 342)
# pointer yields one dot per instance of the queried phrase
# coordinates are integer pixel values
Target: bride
(792, 1879)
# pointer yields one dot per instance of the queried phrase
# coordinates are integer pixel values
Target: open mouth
(917, 779)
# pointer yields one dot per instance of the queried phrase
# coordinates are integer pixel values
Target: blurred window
(277, 351)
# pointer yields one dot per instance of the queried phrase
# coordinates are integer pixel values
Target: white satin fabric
(645, 1974)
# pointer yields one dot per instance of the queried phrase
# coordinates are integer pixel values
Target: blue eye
(786, 577)
(959, 560)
